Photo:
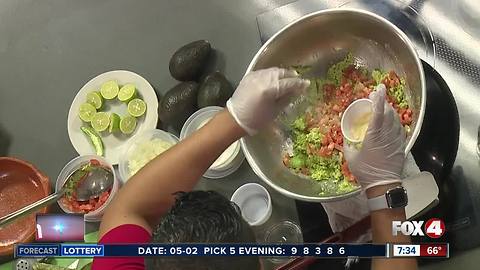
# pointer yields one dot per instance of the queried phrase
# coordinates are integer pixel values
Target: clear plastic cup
(134, 142)
(255, 203)
(355, 120)
(284, 232)
(74, 165)
(231, 162)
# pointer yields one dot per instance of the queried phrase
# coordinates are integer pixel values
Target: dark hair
(203, 217)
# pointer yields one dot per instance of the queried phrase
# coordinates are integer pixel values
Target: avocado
(215, 90)
(178, 104)
(188, 62)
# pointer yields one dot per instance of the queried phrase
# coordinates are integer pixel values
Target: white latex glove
(262, 94)
(381, 157)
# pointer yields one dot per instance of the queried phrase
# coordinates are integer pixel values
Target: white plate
(113, 143)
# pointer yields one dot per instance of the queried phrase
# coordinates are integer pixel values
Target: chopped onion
(145, 152)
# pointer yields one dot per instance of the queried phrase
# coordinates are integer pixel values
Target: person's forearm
(148, 195)
(382, 232)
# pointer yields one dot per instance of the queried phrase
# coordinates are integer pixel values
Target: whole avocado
(178, 104)
(215, 90)
(187, 63)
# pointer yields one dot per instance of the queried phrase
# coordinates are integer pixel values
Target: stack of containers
(230, 160)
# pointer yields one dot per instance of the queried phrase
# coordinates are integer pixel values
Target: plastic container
(134, 142)
(355, 120)
(74, 165)
(233, 156)
(284, 232)
(254, 202)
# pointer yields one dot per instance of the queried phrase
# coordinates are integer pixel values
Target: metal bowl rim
(415, 133)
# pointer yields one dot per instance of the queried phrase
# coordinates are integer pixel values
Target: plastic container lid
(74, 165)
(132, 145)
(231, 162)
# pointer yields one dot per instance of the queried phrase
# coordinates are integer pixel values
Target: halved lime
(136, 107)
(109, 89)
(114, 123)
(128, 124)
(86, 112)
(100, 121)
(127, 92)
(95, 99)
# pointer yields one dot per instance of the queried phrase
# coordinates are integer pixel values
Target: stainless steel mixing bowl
(319, 40)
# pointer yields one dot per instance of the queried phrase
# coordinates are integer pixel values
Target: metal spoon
(98, 181)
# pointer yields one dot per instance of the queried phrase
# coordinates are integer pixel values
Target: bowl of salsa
(77, 171)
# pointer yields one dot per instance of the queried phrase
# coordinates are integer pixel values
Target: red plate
(20, 184)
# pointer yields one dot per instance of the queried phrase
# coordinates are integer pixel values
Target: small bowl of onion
(141, 149)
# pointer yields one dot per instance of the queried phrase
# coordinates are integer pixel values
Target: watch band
(377, 203)
(394, 198)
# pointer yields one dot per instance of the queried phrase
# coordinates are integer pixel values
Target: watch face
(397, 197)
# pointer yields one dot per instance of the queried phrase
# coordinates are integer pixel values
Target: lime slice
(95, 99)
(114, 123)
(100, 121)
(109, 90)
(86, 112)
(127, 92)
(128, 124)
(136, 107)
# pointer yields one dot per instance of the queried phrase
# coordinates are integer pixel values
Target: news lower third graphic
(263, 250)
(433, 228)
(60, 228)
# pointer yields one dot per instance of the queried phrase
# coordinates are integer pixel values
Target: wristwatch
(394, 198)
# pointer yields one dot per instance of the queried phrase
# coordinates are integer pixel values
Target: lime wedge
(109, 90)
(128, 124)
(95, 99)
(114, 123)
(86, 112)
(100, 121)
(136, 107)
(127, 92)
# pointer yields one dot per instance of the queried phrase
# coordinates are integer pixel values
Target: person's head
(204, 217)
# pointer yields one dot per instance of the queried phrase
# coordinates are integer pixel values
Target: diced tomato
(85, 207)
(94, 162)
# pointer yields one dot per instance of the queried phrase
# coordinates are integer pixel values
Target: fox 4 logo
(434, 228)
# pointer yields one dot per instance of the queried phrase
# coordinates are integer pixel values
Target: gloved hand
(262, 94)
(381, 157)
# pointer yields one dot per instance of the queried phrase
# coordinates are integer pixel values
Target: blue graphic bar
(149, 250)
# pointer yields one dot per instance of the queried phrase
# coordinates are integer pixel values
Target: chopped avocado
(299, 124)
(398, 92)
(188, 62)
(378, 76)
(297, 162)
(215, 90)
(335, 72)
(314, 136)
(178, 104)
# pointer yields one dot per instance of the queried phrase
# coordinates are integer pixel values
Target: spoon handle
(5, 220)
